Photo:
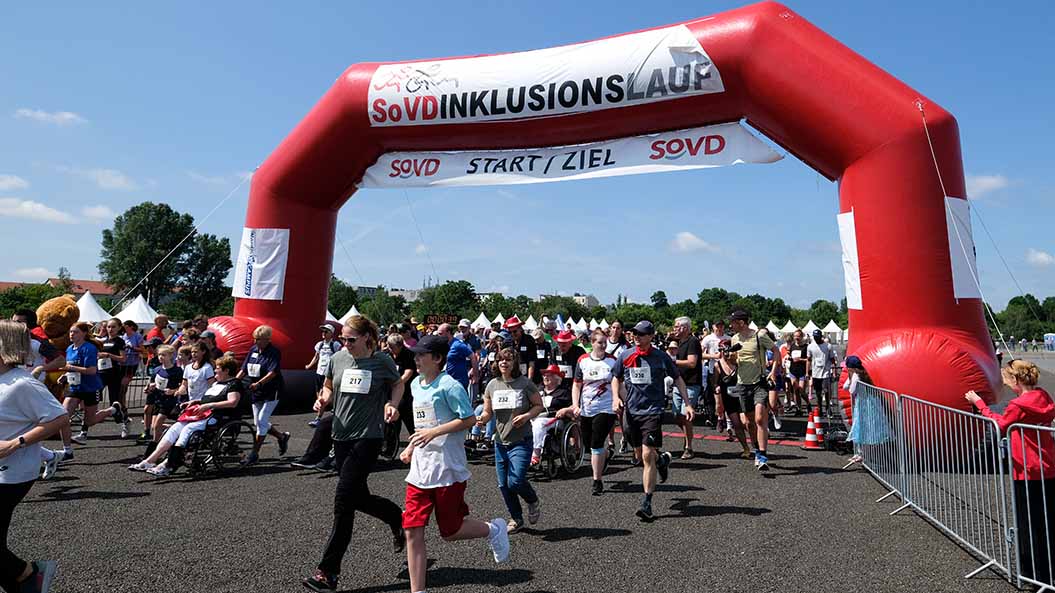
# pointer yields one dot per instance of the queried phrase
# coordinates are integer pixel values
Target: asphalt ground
(804, 526)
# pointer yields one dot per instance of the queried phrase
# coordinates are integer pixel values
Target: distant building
(77, 287)
(409, 294)
(366, 291)
(586, 300)
(543, 297)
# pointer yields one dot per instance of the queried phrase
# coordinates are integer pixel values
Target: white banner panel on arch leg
(851, 265)
(961, 249)
(260, 272)
(635, 69)
(695, 148)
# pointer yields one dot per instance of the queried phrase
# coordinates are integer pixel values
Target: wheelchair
(563, 449)
(222, 447)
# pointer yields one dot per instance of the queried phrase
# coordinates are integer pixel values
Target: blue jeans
(490, 429)
(511, 465)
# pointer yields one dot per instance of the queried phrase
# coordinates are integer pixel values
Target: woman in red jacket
(1033, 466)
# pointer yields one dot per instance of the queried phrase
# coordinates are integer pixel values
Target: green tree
(341, 296)
(822, 311)
(141, 238)
(715, 303)
(454, 297)
(659, 300)
(65, 281)
(496, 304)
(383, 309)
(205, 267)
(27, 296)
(631, 313)
(566, 307)
(599, 312)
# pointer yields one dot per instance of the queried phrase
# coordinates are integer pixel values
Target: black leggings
(1036, 547)
(355, 459)
(112, 381)
(321, 440)
(595, 429)
(11, 566)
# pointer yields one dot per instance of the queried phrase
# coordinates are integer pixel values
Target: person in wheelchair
(557, 401)
(217, 406)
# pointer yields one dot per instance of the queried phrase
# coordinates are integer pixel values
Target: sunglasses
(350, 340)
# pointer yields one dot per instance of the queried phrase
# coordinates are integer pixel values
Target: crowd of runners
(456, 391)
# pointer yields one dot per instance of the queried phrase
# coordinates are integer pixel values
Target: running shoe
(50, 466)
(160, 471)
(320, 581)
(598, 488)
(303, 463)
(326, 465)
(124, 429)
(119, 413)
(762, 463)
(777, 424)
(40, 580)
(251, 459)
(313, 423)
(63, 455)
(663, 465)
(645, 512)
(142, 466)
(81, 438)
(688, 454)
(513, 527)
(144, 437)
(283, 443)
(498, 538)
(534, 511)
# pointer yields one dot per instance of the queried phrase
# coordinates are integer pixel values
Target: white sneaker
(142, 466)
(50, 466)
(124, 429)
(81, 438)
(62, 455)
(499, 540)
(160, 471)
(777, 424)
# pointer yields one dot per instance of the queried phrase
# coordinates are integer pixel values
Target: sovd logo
(407, 168)
(679, 147)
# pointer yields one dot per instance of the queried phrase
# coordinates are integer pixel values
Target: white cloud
(420, 249)
(98, 213)
(979, 185)
(111, 179)
(686, 242)
(207, 179)
(58, 118)
(19, 208)
(1036, 257)
(12, 182)
(32, 274)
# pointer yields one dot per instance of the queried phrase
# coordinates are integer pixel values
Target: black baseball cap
(740, 315)
(644, 327)
(436, 345)
(818, 334)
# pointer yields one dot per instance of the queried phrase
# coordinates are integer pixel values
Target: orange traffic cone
(811, 444)
(818, 422)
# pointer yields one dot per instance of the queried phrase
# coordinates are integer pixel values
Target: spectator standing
(689, 360)
(263, 369)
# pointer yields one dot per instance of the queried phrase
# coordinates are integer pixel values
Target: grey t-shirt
(509, 400)
(24, 403)
(361, 386)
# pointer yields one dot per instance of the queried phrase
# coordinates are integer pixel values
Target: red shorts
(448, 501)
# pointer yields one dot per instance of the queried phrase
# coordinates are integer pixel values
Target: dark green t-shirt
(360, 389)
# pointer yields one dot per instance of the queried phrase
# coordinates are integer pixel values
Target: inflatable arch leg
(917, 325)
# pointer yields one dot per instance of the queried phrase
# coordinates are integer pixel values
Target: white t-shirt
(24, 403)
(197, 380)
(614, 348)
(325, 350)
(821, 357)
(710, 345)
(595, 376)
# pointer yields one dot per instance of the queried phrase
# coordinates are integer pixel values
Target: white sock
(67, 448)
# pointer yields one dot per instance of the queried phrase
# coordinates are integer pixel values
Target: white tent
(593, 324)
(753, 326)
(809, 328)
(481, 321)
(351, 313)
(331, 316)
(530, 324)
(582, 324)
(789, 328)
(139, 311)
(498, 319)
(773, 329)
(603, 324)
(90, 309)
(833, 331)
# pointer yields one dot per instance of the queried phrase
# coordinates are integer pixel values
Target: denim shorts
(678, 404)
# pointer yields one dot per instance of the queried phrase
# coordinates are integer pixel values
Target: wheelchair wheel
(572, 449)
(231, 445)
(196, 455)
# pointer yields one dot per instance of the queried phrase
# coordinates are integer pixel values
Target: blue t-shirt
(442, 462)
(132, 344)
(257, 364)
(474, 342)
(458, 359)
(643, 376)
(87, 355)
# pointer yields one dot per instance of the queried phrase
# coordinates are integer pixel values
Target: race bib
(547, 400)
(523, 348)
(105, 364)
(598, 372)
(490, 356)
(160, 382)
(73, 378)
(216, 389)
(506, 399)
(565, 368)
(356, 381)
(796, 353)
(254, 369)
(540, 354)
(641, 375)
(523, 368)
(424, 415)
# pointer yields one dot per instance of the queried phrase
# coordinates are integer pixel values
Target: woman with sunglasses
(513, 400)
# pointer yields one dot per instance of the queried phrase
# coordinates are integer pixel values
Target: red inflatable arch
(918, 327)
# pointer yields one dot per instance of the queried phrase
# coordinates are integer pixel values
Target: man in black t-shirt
(567, 356)
(690, 367)
(543, 353)
(407, 371)
(525, 347)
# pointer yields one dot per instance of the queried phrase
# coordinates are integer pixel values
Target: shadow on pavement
(66, 493)
(685, 508)
(447, 576)
(561, 534)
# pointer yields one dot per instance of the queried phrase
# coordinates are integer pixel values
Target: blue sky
(105, 105)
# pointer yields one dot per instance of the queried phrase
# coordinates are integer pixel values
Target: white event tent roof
(351, 313)
(809, 327)
(789, 328)
(481, 321)
(139, 311)
(90, 309)
(603, 324)
(331, 317)
(593, 324)
(753, 326)
(773, 329)
(498, 319)
(832, 328)
(530, 324)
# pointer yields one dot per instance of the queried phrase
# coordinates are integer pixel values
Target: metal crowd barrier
(878, 438)
(1033, 504)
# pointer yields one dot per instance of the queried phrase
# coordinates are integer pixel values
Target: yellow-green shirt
(750, 360)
